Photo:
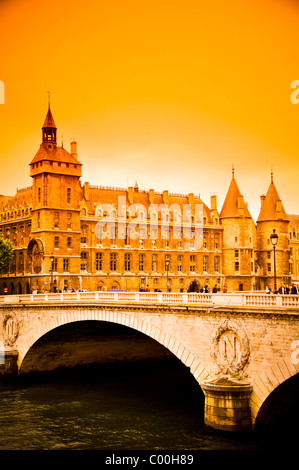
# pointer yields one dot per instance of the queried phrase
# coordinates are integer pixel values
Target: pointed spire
(272, 207)
(49, 128)
(49, 121)
(234, 205)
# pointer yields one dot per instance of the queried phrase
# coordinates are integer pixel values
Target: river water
(136, 407)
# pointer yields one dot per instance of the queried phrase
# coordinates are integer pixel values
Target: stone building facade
(68, 235)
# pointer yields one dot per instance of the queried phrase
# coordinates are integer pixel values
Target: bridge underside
(86, 343)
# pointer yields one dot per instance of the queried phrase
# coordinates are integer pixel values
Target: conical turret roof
(272, 207)
(234, 205)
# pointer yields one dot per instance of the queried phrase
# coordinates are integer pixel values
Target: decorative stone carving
(230, 349)
(11, 329)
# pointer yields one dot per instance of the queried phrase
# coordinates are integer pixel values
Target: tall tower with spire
(239, 241)
(55, 224)
(273, 216)
(49, 129)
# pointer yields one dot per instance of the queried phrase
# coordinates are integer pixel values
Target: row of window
(166, 214)
(68, 195)
(127, 264)
(66, 165)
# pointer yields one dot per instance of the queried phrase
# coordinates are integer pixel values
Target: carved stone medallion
(230, 349)
(11, 329)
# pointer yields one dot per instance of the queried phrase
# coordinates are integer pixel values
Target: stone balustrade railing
(250, 299)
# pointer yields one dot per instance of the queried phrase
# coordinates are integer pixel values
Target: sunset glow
(167, 93)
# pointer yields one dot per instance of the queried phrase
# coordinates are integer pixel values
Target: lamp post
(274, 240)
(52, 269)
(167, 271)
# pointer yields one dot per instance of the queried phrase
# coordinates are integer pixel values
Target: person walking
(294, 290)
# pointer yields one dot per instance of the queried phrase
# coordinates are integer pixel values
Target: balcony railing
(249, 299)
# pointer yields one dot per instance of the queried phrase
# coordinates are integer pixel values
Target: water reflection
(135, 407)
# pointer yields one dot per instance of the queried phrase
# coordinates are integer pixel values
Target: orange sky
(170, 93)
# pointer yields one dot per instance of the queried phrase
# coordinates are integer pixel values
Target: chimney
(130, 194)
(74, 149)
(151, 196)
(191, 199)
(86, 191)
(213, 202)
(165, 197)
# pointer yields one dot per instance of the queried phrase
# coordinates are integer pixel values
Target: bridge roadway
(239, 346)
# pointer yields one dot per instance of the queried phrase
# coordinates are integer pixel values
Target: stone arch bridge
(239, 347)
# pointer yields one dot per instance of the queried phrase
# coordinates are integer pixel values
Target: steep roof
(56, 154)
(272, 207)
(234, 205)
(49, 121)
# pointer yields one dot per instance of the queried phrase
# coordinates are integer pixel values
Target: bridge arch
(130, 320)
(269, 381)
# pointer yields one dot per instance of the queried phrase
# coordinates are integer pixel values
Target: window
(55, 265)
(112, 261)
(192, 263)
(237, 266)
(69, 242)
(154, 263)
(99, 261)
(66, 264)
(141, 262)
(39, 194)
(269, 267)
(205, 264)
(56, 219)
(216, 264)
(83, 266)
(127, 262)
(179, 259)
(21, 261)
(84, 233)
(69, 220)
(112, 235)
(68, 195)
(56, 242)
(154, 233)
(236, 253)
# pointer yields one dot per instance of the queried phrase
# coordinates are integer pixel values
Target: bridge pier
(8, 363)
(227, 405)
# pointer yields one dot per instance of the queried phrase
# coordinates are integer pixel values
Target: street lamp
(274, 240)
(167, 271)
(52, 269)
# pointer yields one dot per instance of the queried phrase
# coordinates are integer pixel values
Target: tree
(6, 253)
